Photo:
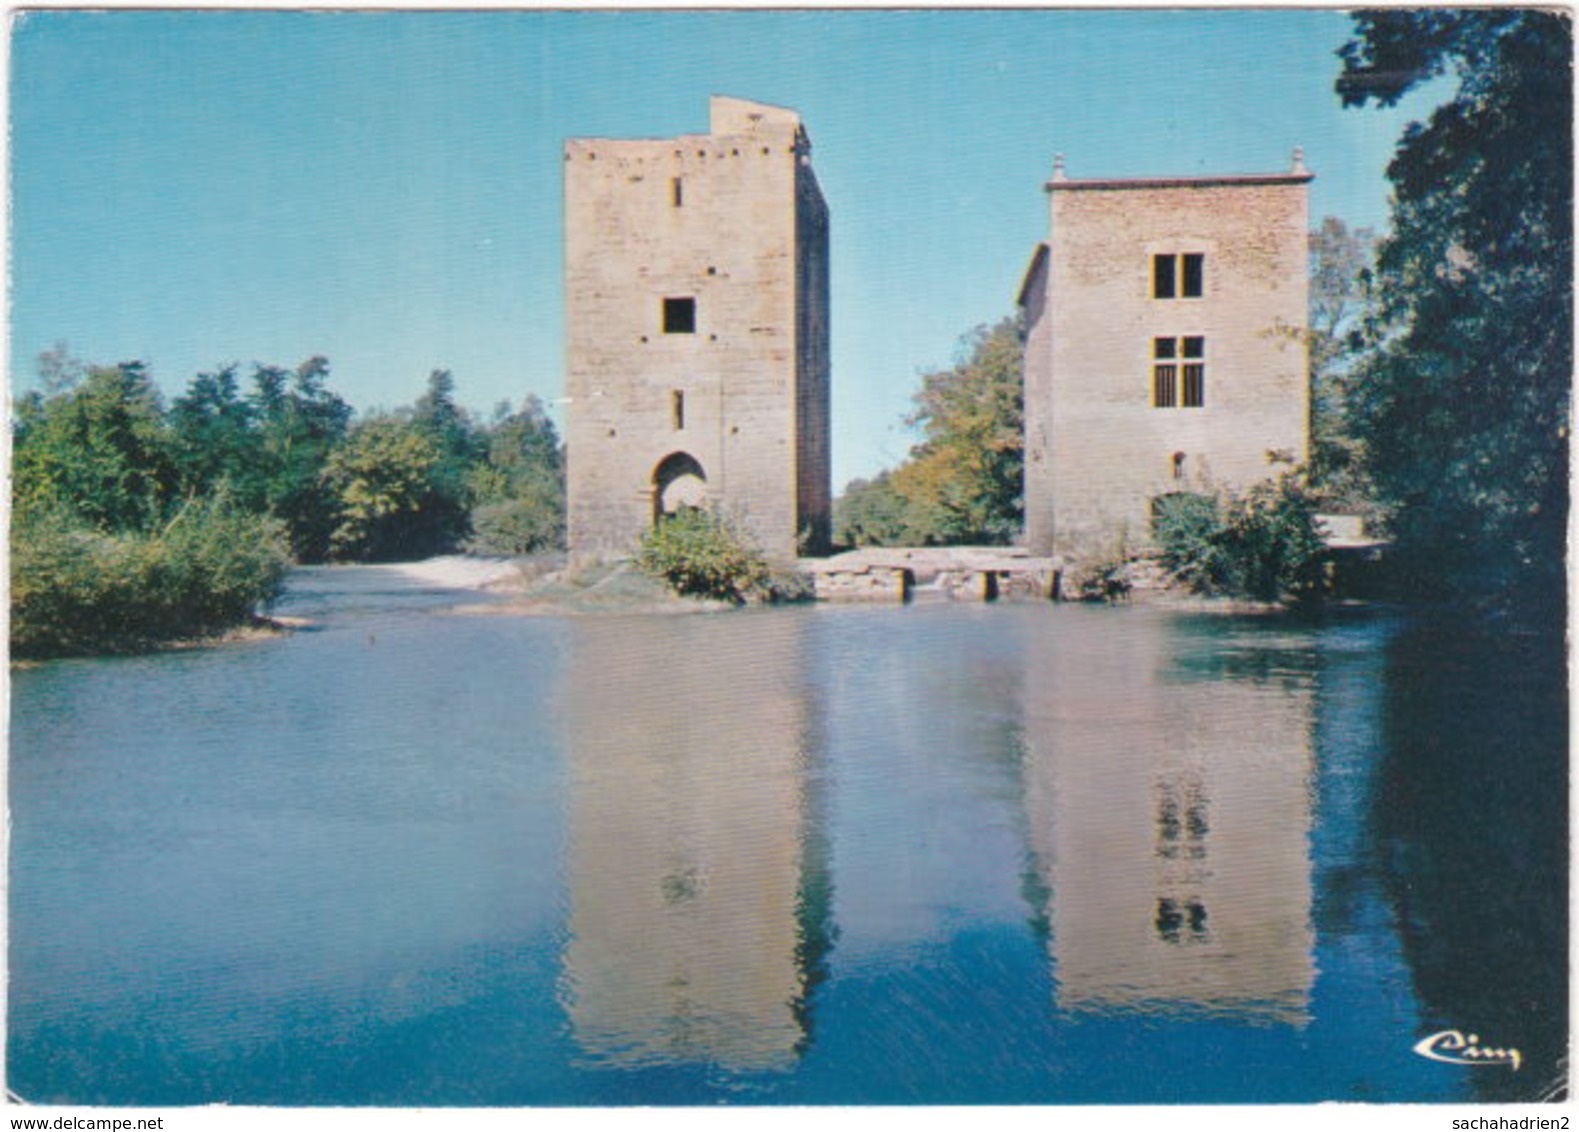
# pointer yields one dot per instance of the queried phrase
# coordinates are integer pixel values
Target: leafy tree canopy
(1463, 396)
(1340, 302)
(100, 451)
(962, 482)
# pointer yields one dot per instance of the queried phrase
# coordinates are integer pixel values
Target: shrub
(701, 554)
(525, 525)
(1272, 545)
(1185, 526)
(76, 591)
(1263, 545)
(218, 565)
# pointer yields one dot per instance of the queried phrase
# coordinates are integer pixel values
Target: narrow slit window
(677, 192)
(677, 409)
(679, 316)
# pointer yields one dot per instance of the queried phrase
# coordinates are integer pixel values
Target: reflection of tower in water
(695, 923)
(1170, 817)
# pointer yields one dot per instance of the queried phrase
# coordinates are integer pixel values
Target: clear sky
(383, 188)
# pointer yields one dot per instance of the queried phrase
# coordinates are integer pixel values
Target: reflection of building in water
(1170, 819)
(694, 922)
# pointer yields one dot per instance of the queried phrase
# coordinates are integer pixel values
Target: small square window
(1163, 348)
(679, 316)
(1195, 347)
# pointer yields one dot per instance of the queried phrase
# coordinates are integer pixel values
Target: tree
(445, 423)
(382, 478)
(213, 437)
(518, 488)
(99, 450)
(1463, 396)
(299, 422)
(124, 532)
(964, 480)
(461, 447)
(872, 513)
(1340, 300)
(59, 370)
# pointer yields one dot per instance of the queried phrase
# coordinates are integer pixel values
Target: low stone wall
(881, 584)
(897, 574)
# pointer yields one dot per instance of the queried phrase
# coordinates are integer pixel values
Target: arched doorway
(678, 481)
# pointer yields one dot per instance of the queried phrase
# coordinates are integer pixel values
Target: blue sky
(383, 188)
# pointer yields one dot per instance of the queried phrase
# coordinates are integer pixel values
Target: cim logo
(1454, 1048)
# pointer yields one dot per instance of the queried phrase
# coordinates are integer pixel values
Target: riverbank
(548, 585)
(252, 630)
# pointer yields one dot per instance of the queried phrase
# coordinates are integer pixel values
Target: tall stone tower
(696, 275)
(1165, 349)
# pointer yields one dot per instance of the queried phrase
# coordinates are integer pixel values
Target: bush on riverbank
(1263, 545)
(701, 554)
(76, 590)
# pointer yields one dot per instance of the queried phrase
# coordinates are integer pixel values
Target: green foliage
(1340, 301)
(299, 422)
(389, 499)
(1463, 395)
(1185, 525)
(701, 554)
(962, 482)
(519, 525)
(212, 434)
(872, 513)
(134, 524)
(1263, 545)
(461, 448)
(1271, 545)
(100, 451)
(77, 590)
(518, 488)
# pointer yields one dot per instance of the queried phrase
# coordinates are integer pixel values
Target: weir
(956, 573)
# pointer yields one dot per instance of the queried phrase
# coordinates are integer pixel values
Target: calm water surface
(940, 854)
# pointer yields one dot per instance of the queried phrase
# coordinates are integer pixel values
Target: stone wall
(1098, 450)
(697, 327)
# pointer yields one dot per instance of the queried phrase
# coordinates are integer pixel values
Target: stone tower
(696, 275)
(1165, 349)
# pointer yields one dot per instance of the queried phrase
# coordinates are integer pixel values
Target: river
(429, 852)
